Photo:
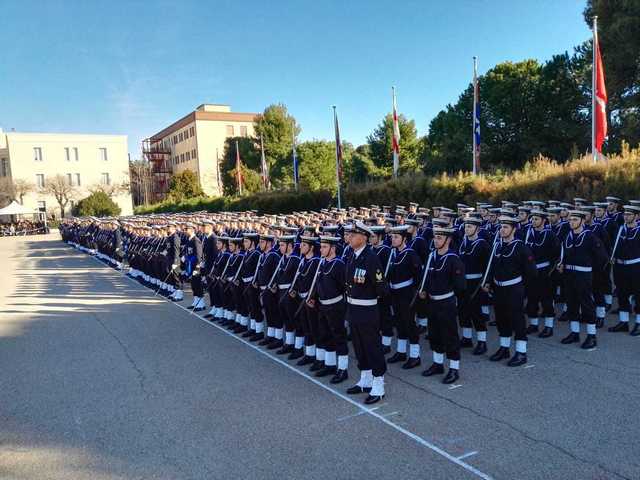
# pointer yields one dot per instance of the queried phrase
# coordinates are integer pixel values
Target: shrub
(98, 204)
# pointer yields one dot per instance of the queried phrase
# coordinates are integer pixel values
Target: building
(195, 142)
(87, 162)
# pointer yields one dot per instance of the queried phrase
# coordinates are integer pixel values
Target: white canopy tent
(14, 208)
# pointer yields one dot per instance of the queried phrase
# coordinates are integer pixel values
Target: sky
(135, 67)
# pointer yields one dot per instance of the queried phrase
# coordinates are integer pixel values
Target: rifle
(615, 245)
(486, 272)
(310, 292)
(391, 257)
(423, 282)
(235, 277)
(559, 262)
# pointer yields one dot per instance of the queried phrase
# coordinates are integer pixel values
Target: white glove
(174, 266)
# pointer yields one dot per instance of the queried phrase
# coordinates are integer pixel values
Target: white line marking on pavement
(425, 443)
(390, 414)
(347, 417)
(453, 387)
(467, 455)
(530, 366)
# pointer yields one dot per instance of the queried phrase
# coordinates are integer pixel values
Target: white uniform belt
(331, 301)
(398, 286)
(508, 283)
(263, 287)
(473, 276)
(247, 279)
(230, 278)
(542, 265)
(577, 268)
(633, 261)
(284, 286)
(363, 302)
(304, 295)
(444, 296)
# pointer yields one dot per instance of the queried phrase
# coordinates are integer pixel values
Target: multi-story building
(86, 162)
(196, 142)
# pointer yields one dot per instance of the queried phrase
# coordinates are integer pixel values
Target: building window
(4, 168)
(37, 154)
(193, 131)
(243, 131)
(104, 179)
(175, 139)
(180, 137)
(42, 206)
(182, 158)
(67, 154)
(103, 154)
(69, 179)
(188, 156)
(193, 153)
(40, 180)
(230, 132)
(78, 179)
(76, 156)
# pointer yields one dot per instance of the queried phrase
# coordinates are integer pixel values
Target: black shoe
(306, 360)
(517, 359)
(208, 315)
(501, 354)
(275, 343)
(317, 365)
(573, 337)
(266, 341)
(386, 349)
(532, 329)
(340, 376)
(546, 332)
(371, 399)
(620, 327)
(199, 309)
(434, 369)
(481, 348)
(357, 389)
(285, 349)
(466, 343)
(411, 363)
(240, 329)
(191, 307)
(599, 323)
(326, 371)
(636, 330)
(297, 353)
(249, 333)
(256, 336)
(451, 377)
(589, 342)
(232, 325)
(397, 357)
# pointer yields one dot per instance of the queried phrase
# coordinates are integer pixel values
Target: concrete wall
(89, 164)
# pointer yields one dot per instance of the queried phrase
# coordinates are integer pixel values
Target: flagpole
(263, 164)
(295, 156)
(473, 120)
(593, 91)
(396, 160)
(238, 170)
(335, 127)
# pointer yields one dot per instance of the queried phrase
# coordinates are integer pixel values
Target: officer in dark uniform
(328, 296)
(173, 262)
(384, 253)
(443, 283)
(512, 268)
(583, 253)
(265, 281)
(365, 284)
(626, 270)
(545, 247)
(194, 261)
(474, 253)
(403, 275)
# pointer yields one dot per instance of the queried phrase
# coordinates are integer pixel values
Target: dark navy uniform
(626, 272)
(545, 247)
(474, 254)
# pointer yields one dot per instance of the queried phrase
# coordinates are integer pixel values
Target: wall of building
(89, 166)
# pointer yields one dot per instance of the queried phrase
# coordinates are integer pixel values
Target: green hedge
(541, 179)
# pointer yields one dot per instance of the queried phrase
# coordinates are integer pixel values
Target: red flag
(395, 145)
(600, 93)
(238, 169)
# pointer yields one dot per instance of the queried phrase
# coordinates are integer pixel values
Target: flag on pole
(396, 136)
(296, 177)
(263, 166)
(238, 169)
(338, 153)
(599, 104)
(476, 118)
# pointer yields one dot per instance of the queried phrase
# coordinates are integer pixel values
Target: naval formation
(312, 285)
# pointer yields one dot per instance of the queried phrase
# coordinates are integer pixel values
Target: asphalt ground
(99, 379)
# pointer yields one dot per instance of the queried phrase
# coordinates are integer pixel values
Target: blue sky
(134, 67)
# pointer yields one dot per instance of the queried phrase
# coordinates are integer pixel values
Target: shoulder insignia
(378, 276)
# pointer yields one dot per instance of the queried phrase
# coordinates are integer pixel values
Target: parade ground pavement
(101, 380)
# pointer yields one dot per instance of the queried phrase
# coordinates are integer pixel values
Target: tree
(58, 187)
(381, 140)
(250, 159)
(98, 204)
(362, 168)
(184, 185)
(15, 189)
(317, 165)
(141, 175)
(277, 129)
(619, 37)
